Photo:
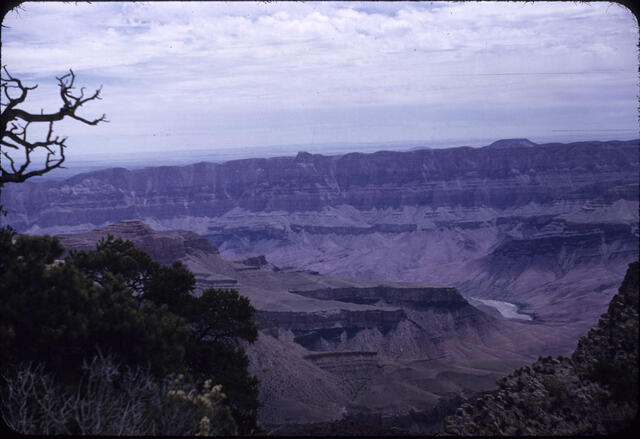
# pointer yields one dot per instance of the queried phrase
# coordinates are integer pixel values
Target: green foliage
(221, 316)
(145, 279)
(53, 312)
(218, 319)
(228, 364)
(117, 299)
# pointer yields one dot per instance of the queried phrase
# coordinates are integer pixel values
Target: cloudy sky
(206, 75)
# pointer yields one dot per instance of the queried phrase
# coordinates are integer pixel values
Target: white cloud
(168, 63)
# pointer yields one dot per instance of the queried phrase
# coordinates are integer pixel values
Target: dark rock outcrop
(355, 366)
(543, 246)
(344, 230)
(447, 298)
(316, 330)
(255, 261)
(593, 392)
(342, 320)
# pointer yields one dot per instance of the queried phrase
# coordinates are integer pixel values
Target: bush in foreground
(111, 400)
(117, 300)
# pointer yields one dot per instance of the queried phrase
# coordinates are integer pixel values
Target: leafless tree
(18, 151)
(108, 400)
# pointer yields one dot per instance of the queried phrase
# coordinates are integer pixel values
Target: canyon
(332, 346)
(384, 283)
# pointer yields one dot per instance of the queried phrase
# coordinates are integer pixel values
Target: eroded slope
(320, 331)
(593, 392)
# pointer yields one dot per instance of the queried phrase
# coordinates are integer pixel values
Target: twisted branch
(14, 132)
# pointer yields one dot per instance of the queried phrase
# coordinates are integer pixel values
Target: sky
(210, 75)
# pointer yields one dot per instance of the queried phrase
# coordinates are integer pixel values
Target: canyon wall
(333, 346)
(380, 263)
(513, 221)
(462, 177)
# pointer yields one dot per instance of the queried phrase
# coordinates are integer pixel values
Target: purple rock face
(549, 228)
(317, 312)
(458, 177)
(416, 298)
(515, 229)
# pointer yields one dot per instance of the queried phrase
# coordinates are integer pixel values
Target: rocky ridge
(593, 392)
(466, 177)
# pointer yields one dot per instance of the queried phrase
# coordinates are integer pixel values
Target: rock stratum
(453, 265)
(513, 221)
(332, 347)
(464, 177)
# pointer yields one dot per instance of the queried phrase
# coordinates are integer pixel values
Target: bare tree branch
(14, 133)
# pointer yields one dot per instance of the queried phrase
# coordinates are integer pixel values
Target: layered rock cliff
(431, 297)
(545, 229)
(593, 392)
(320, 331)
(320, 313)
(465, 177)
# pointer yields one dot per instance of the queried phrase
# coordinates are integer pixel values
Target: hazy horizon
(214, 76)
(82, 163)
